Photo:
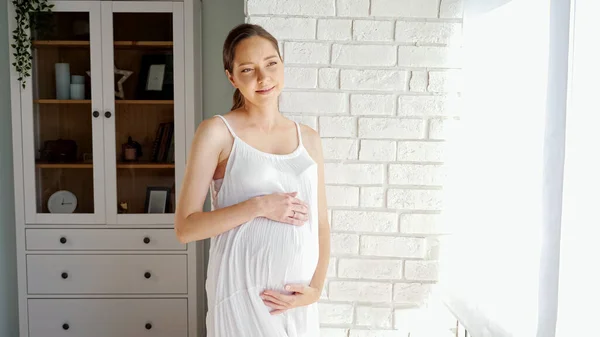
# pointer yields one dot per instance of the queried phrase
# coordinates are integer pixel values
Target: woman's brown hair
(235, 36)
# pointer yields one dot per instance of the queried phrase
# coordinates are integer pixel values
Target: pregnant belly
(261, 254)
(276, 253)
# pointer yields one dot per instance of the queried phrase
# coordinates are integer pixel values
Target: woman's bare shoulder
(215, 125)
(309, 133)
(212, 132)
(311, 140)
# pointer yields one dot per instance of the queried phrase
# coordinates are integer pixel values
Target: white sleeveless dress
(262, 254)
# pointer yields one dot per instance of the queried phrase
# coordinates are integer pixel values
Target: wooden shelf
(59, 43)
(117, 44)
(62, 101)
(146, 102)
(121, 165)
(146, 165)
(118, 102)
(151, 44)
(76, 165)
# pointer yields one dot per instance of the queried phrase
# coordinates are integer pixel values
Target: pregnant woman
(268, 225)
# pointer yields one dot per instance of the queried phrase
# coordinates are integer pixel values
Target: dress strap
(299, 134)
(228, 126)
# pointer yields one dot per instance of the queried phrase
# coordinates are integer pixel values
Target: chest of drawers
(96, 282)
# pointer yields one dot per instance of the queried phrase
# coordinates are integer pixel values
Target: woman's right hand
(283, 207)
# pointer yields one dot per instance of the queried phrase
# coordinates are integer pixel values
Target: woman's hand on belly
(302, 295)
(283, 207)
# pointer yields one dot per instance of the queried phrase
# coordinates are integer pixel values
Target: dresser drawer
(102, 239)
(107, 317)
(107, 274)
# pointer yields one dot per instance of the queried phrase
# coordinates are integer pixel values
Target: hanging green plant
(26, 21)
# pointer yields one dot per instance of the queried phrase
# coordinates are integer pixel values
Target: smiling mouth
(265, 90)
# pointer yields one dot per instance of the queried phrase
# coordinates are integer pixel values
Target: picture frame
(155, 81)
(157, 199)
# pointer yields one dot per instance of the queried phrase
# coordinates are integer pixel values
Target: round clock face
(62, 202)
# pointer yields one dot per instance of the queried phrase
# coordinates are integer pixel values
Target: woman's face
(257, 71)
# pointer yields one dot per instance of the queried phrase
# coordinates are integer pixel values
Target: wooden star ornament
(125, 74)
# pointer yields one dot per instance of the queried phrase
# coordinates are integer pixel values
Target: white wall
(378, 79)
(8, 269)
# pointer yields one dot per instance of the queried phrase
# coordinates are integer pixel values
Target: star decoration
(125, 74)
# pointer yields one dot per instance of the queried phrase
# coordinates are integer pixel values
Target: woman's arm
(191, 222)
(318, 279)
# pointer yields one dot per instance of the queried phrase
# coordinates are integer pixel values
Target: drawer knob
(63, 240)
(64, 275)
(65, 326)
(147, 274)
(146, 240)
(148, 326)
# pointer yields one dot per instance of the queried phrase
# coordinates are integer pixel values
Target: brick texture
(380, 81)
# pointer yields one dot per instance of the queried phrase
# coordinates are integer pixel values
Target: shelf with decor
(109, 128)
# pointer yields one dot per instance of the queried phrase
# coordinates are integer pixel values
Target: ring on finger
(294, 215)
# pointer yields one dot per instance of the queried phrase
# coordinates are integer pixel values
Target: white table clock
(62, 202)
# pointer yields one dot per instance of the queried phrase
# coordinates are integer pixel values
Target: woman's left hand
(302, 295)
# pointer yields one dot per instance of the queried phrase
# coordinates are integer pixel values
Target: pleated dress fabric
(261, 253)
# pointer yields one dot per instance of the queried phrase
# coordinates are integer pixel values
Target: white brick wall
(380, 81)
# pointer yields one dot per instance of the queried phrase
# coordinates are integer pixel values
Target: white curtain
(499, 268)
(579, 281)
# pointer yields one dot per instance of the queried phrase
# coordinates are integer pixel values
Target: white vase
(77, 91)
(63, 80)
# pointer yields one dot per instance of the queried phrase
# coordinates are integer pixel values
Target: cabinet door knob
(63, 240)
(147, 274)
(148, 326)
(107, 114)
(95, 114)
(65, 326)
(64, 275)
(146, 240)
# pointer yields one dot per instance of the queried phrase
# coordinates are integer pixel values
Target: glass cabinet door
(141, 96)
(61, 105)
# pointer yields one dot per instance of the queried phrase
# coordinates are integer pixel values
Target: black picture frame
(157, 206)
(167, 90)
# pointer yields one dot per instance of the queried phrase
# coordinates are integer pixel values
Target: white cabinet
(101, 131)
